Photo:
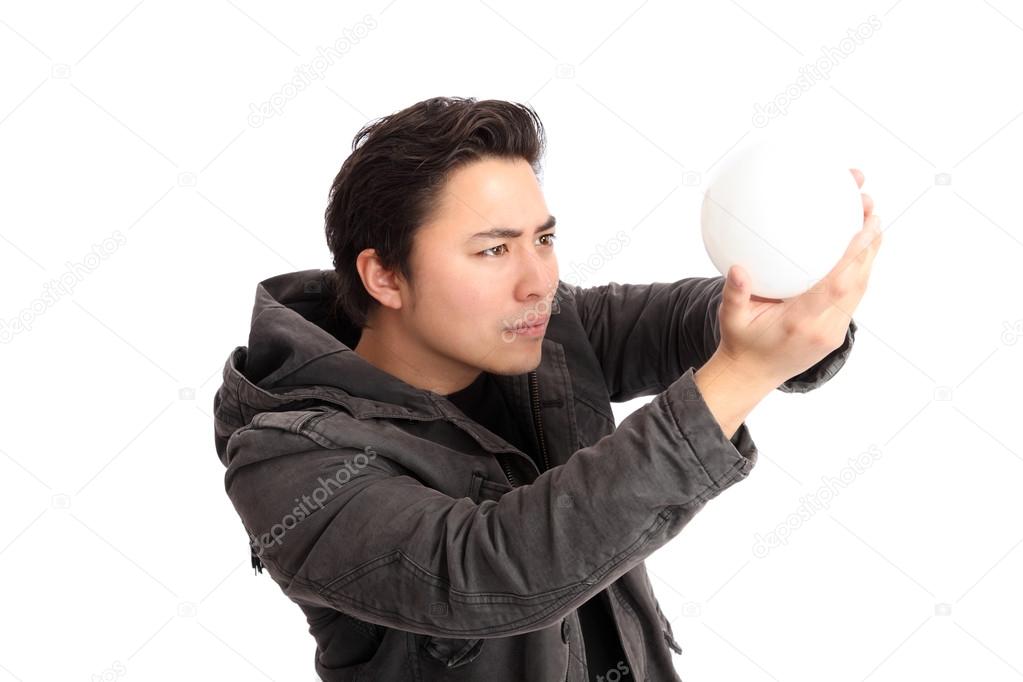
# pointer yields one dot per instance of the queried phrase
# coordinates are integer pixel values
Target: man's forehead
(493, 198)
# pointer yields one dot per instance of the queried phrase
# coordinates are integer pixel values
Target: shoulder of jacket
(283, 435)
(566, 291)
(284, 430)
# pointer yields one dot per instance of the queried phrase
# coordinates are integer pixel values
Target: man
(420, 442)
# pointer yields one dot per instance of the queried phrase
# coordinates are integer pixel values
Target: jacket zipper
(507, 471)
(534, 390)
(534, 394)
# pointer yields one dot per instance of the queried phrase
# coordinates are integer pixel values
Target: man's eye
(488, 252)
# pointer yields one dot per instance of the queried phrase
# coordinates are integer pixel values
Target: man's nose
(539, 276)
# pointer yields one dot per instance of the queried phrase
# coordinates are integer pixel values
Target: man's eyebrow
(508, 233)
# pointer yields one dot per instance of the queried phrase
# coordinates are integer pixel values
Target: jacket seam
(585, 401)
(569, 591)
(477, 632)
(716, 483)
(464, 597)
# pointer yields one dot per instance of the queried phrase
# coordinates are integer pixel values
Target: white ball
(783, 208)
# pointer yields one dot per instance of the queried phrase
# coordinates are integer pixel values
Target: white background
(120, 554)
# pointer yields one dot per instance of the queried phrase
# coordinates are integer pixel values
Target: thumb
(735, 298)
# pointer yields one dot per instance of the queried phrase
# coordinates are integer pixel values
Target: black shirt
(483, 402)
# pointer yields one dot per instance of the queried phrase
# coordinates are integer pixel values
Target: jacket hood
(299, 354)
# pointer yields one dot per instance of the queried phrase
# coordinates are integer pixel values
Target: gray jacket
(420, 545)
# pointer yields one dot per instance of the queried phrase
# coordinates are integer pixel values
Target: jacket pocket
(453, 652)
(482, 488)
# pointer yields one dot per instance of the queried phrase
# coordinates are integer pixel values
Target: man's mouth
(529, 325)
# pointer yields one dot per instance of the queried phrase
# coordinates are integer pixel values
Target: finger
(853, 281)
(857, 248)
(859, 253)
(854, 276)
(840, 291)
(845, 273)
(858, 174)
(868, 204)
(866, 259)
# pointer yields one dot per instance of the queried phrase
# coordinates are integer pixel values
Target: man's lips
(529, 325)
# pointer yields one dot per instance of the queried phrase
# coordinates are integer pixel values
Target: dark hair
(391, 182)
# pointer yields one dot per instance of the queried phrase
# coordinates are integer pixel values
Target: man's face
(470, 290)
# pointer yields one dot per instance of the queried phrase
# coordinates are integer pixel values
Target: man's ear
(380, 282)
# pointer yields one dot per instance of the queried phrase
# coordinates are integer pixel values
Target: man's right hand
(764, 342)
(778, 339)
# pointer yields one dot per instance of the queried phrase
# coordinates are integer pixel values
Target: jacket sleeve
(387, 549)
(646, 335)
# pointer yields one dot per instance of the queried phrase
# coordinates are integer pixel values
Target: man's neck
(410, 362)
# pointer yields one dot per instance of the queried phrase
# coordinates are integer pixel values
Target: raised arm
(646, 335)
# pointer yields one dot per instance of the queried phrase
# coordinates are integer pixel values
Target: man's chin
(528, 366)
(518, 366)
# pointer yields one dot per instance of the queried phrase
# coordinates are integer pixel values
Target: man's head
(434, 299)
